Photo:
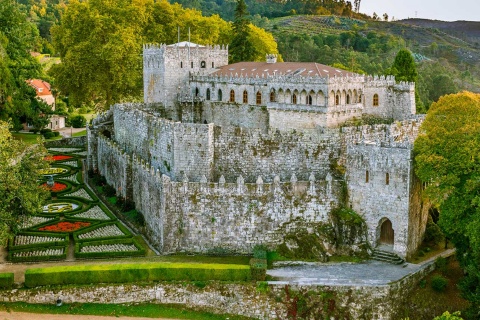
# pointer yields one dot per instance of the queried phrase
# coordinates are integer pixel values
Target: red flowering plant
(57, 186)
(57, 157)
(65, 226)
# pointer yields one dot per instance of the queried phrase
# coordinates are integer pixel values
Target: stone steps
(386, 256)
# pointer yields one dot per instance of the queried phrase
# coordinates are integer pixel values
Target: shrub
(83, 110)
(78, 121)
(48, 135)
(109, 190)
(56, 133)
(33, 130)
(6, 280)
(258, 269)
(441, 264)
(260, 252)
(123, 273)
(439, 283)
(42, 131)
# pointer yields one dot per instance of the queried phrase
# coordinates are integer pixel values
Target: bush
(56, 133)
(48, 135)
(33, 130)
(260, 252)
(42, 131)
(124, 273)
(83, 110)
(78, 121)
(258, 269)
(109, 191)
(6, 280)
(441, 264)
(439, 283)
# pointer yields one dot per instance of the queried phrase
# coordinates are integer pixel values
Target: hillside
(450, 49)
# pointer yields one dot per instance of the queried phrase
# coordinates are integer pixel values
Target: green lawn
(80, 134)
(118, 310)
(31, 138)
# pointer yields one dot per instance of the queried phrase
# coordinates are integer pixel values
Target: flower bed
(57, 157)
(65, 226)
(102, 232)
(81, 193)
(52, 171)
(72, 178)
(68, 150)
(58, 207)
(71, 163)
(53, 253)
(33, 221)
(118, 247)
(22, 240)
(57, 186)
(95, 213)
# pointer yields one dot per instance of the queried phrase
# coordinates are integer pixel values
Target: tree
(447, 156)
(403, 67)
(19, 190)
(99, 43)
(385, 16)
(241, 48)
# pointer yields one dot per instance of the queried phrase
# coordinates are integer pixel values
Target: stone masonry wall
(378, 182)
(326, 302)
(237, 216)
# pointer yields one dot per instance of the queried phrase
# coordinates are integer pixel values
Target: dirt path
(41, 316)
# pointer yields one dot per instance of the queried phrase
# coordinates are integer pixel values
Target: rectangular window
(387, 179)
(367, 177)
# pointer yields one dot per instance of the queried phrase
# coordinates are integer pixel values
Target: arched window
(181, 64)
(348, 99)
(387, 179)
(337, 99)
(359, 98)
(208, 94)
(294, 98)
(220, 95)
(196, 92)
(203, 64)
(245, 96)
(375, 100)
(272, 96)
(367, 176)
(309, 99)
(259, 97)
(232, 96)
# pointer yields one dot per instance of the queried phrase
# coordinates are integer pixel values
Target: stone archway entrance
(386, 233)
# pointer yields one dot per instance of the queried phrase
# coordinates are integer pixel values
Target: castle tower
(166, 68)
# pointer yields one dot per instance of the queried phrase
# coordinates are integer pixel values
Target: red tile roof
(42, 87)
(303, 69)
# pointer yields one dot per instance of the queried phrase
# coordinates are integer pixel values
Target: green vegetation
(19, 189)
(124, 273)
(447, 156)
(80, 133)
(148, 310)
(439, 283)
(6, 280)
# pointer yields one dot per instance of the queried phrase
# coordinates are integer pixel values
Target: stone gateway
(222, 157)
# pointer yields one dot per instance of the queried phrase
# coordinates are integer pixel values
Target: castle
(227, 156)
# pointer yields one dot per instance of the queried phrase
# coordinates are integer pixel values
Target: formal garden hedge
(124, 273)
(6, 280)
(35, 254)
(25, 240)
(102, 231)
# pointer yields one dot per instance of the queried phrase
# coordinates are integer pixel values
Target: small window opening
(203, 64)
(245, 96)
(375, 100)
(367, 176)
(337, 100)
(259, 98)
(294, 99)
(232, 96)
(191, 64)
(272, 96)
(387, 179)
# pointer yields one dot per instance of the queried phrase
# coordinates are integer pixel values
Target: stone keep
(224, 157)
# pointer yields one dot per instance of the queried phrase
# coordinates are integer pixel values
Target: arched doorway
(386, 232)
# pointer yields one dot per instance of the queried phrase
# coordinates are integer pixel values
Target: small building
(44, 92)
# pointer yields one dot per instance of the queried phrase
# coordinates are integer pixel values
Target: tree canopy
(241, 47)
(403, 67)
(447, 156)
(17, 38)
(19, 173)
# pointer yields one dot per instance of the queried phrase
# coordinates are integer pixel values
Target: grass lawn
(80, 134)
(31, 138)
(117, 310)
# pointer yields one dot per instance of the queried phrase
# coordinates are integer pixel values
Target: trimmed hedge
(92, 255)
(6, 280)
(123, 273)
(64, 194)
(72, 214)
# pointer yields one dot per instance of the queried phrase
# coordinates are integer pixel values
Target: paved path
(367, 273)
(41, 316)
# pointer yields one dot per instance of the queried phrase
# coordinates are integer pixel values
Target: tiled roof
(303, 69)
(42, 87)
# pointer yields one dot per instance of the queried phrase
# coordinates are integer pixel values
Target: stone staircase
(386, 256)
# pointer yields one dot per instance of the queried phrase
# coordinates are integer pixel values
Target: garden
(74, 224)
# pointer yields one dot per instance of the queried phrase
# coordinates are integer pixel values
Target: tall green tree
(19, 190)
(100, 47)
(17, 36)
(241, 47)
(447, 156)
(403, 67)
